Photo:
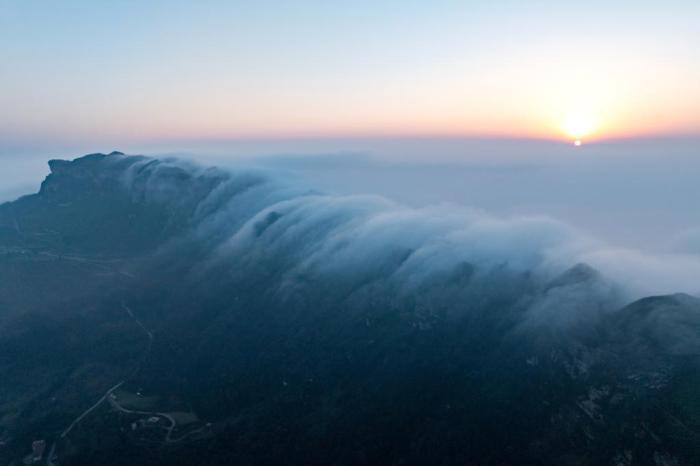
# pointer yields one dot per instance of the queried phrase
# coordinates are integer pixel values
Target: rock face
(228, 318)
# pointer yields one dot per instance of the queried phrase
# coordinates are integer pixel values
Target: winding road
(51, 457)
(112, 399)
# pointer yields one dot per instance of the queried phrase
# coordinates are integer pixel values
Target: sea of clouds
(628, 211)
(266, 212)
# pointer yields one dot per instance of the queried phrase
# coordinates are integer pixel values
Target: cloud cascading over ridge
(325, 233)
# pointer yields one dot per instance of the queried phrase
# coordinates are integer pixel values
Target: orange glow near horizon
(519, 71)
(546, 93)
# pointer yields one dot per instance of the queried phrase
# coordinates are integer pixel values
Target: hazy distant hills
(153, 312)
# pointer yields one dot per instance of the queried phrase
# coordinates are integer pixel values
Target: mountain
(154, 312)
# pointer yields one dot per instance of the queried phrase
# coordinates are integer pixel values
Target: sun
(578, 126)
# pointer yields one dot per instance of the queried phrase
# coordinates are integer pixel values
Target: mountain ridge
(299, 327)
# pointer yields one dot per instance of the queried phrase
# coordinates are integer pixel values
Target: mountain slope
(153, 312)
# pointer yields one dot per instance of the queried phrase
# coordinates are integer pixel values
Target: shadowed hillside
(153, 312)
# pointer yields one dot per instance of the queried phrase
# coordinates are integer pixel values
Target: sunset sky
(143, 71)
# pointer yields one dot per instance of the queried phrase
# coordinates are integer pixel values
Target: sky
(134, 72)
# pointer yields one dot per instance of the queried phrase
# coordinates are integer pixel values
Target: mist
(268, 209)
(628, 193)
(632, 202)
(20, 175)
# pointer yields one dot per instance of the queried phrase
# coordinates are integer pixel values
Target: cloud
(686, 241)
(648, 274)
(261, 215)
(261, 229)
